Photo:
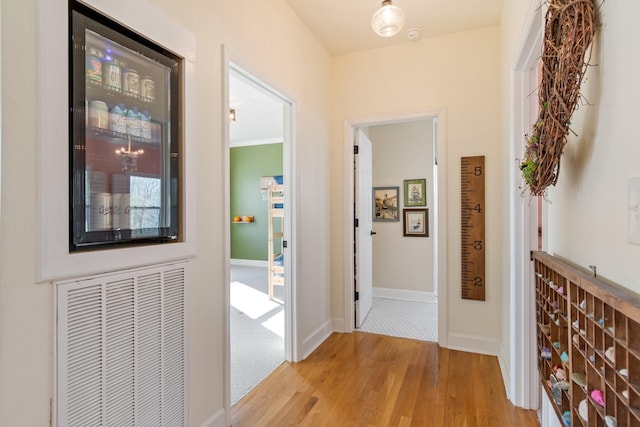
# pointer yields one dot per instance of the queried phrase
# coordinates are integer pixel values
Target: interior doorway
(388, 234)
(259, 293)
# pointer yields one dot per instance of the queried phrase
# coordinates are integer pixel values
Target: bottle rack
(114, 96)
(119, 137)
(592, 329)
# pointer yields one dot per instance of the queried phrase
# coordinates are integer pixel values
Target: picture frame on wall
(415, 222)
(415, 192)
(385, 204)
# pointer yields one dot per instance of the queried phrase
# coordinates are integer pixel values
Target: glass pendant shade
(388, 20)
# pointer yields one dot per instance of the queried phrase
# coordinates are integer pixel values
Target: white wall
(25, 308)
(402, 151)
(459, 73)
(267, 39)
(588, 209)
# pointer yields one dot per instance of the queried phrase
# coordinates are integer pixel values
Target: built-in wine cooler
(125, 135)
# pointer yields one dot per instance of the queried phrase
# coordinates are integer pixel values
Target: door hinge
(356, 296)
(355, 223)
(355, 149)
(285, 244)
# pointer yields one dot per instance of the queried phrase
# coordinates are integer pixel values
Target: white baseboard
(316, 338)
(504, 368)
(338, 325)
(215, 420)
(473, 344)
(548, 417)
(248, 262)
(406, 295)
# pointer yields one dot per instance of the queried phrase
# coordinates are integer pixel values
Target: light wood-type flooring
(364, 380)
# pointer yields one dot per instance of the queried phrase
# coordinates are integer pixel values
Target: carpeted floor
(256, 328)
(406, 319)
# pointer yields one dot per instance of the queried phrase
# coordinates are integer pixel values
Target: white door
(364, 232)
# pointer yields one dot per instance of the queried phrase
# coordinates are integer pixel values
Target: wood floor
(372, 380)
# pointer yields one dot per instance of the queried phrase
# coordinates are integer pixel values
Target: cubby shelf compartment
(592, 327)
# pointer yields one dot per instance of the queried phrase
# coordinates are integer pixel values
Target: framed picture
(415, 192)
(416, 222)
(385, 203)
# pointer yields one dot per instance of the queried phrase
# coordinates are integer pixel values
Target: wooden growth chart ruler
(473, 230)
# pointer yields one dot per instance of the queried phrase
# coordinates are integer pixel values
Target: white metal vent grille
(121, 343)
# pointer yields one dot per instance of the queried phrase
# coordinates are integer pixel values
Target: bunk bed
(276, 235)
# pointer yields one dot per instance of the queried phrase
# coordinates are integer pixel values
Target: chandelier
(129, 157)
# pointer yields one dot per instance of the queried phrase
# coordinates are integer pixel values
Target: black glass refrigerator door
(124, 135)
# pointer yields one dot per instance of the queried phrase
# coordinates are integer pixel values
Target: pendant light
(388, 20)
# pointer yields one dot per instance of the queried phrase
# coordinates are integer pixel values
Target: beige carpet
(256, 330)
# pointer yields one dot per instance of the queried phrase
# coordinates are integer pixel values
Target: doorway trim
(522, 385)
(440, 206)
(292, 350)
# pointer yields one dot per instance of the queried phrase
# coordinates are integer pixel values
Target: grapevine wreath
(569, 31)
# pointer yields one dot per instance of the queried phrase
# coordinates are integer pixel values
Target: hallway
(370, 380)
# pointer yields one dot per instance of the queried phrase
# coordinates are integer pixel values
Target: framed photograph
(385, 203)
(416, 222)
(415, 192)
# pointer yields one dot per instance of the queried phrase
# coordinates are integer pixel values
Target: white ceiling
(259, 114)
(344, 26)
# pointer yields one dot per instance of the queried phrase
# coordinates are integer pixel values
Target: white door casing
(293, 347)
(522, 387)
(440, 206)
(363, 162)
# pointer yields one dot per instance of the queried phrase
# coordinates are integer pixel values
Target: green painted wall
(248, 165)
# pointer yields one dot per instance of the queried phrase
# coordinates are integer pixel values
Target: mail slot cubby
(553, 335)
(591, 329)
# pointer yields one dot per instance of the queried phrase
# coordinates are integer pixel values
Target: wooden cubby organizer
(591, 329)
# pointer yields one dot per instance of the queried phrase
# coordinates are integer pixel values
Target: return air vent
(121, 343)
